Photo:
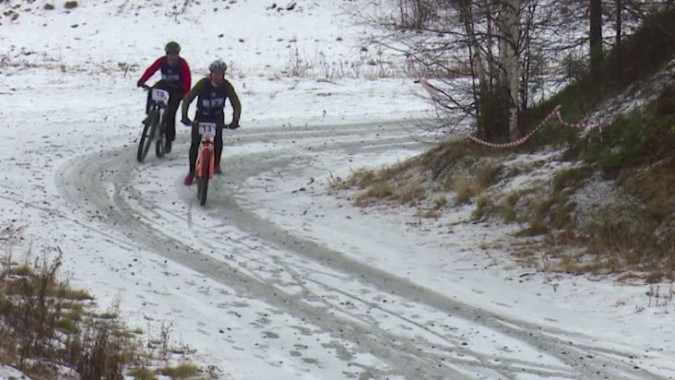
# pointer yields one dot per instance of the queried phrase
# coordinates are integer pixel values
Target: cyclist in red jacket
(176, 79)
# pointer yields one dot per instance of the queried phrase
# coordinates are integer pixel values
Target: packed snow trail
(364, 309)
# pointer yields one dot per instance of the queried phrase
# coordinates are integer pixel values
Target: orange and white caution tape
(555, 113)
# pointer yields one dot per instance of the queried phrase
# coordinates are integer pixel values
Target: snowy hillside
(276, 278)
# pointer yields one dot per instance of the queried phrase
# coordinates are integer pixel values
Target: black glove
(139, 84)
(233, 126)
(186, 121)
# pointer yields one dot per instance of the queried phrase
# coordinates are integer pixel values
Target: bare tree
(619, 21)
(595, 34)
(644, 12)
(489, 60)
(486, 45)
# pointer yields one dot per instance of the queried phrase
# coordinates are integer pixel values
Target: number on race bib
(159, 95)
(207, 128)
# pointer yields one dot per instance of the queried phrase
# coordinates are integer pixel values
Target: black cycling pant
(196, 139)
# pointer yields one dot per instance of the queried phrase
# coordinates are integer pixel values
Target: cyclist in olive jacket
(211, 93)
(176, 79)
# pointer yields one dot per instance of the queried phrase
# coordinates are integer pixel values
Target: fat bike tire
(203, 184)
(146, 140)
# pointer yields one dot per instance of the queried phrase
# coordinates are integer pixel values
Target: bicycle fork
(205, 153)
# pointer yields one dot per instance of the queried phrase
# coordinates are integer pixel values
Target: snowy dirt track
(409, 331)
(280, 276)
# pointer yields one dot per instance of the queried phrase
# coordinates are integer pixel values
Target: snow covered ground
(276, 277)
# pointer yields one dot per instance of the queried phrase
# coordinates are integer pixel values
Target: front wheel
(147, 137)
(203, 181)
(159, 147)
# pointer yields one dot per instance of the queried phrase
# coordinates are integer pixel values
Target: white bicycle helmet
(218, 66)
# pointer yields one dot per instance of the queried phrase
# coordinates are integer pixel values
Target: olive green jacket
(202, 86)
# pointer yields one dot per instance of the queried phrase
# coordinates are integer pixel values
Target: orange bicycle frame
(206, 152)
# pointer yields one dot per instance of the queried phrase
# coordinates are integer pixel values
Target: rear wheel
(203, 182)
(147, 137)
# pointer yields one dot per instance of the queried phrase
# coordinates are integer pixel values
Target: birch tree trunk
(509, 52)
(477, 56)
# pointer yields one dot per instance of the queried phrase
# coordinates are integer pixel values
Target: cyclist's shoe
(216, 169)
(188, 179)
(167, 146)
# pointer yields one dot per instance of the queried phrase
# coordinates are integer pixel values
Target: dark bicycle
(154, 127)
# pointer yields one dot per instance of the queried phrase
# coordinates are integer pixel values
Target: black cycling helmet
(218, 65)
(172, 47)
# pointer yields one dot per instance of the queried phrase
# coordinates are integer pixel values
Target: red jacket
(175, 76)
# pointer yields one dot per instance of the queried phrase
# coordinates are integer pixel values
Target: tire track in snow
(84, 182)
(91, 175)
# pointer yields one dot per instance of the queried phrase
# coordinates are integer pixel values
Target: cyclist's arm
(185, 76)
(151, 70)
(191, 96)
(234, 101)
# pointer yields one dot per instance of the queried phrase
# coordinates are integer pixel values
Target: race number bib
(159, 95)
(207, 128)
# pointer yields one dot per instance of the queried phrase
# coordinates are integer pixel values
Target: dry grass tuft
(484, 208)
(392, 183)
(451, 167)
(377, 191)
(636, 234)
(507, 207)
(577, 264)
(39, 320)
(440, 202)
(487, 173)
(410, 193)
(466, 188)
(572, 178)
(49, 330)
(181, 371)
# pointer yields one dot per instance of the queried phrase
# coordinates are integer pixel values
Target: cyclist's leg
(147, 102)
(218, 142)
(194, 151)
(194, 147)
(170, 116)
